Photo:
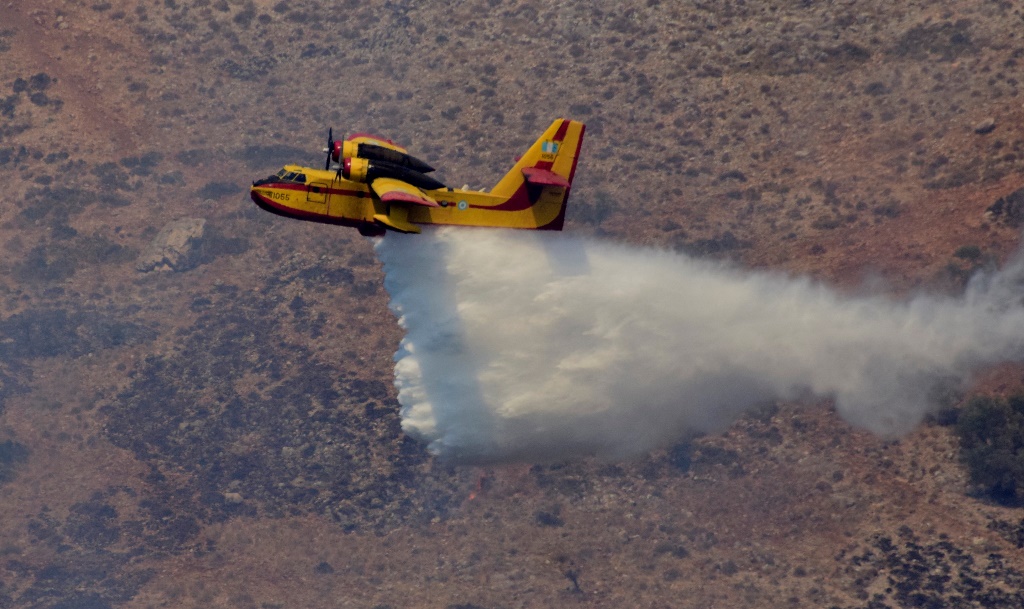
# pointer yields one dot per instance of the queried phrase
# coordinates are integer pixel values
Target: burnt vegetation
(61, 332)
(307, 435)
(95, 549)
(929, 575)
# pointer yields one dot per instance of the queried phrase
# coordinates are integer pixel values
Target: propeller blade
(330, 147)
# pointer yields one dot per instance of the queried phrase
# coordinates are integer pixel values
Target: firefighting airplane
(377, 186)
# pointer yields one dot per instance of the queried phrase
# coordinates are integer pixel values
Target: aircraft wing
(391, 190)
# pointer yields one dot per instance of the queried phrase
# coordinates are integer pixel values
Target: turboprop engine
(373, 152)
(366, 170)
(365, 162)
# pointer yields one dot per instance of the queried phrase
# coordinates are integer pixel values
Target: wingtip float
(375, 185)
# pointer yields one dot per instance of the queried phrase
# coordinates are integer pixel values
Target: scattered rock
(177, 247)
(986, 126)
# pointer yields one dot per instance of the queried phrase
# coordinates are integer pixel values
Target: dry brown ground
(834, 139)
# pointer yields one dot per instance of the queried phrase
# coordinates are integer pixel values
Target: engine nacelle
(355, 169)
(362, 150)
(366, 171)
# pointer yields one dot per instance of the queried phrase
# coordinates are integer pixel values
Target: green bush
(991, 432)
(968, 252)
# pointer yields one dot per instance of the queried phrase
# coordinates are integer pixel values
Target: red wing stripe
(405, 197)
(285, 186)
(334, 191)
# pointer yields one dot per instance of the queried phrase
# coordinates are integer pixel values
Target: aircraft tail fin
(549, 165)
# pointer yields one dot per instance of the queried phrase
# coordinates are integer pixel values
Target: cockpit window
(286, 176)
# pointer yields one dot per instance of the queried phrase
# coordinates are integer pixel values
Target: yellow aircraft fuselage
(532, 195)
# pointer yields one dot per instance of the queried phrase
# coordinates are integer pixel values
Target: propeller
(330, 147)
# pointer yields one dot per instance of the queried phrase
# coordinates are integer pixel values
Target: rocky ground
(224, 432)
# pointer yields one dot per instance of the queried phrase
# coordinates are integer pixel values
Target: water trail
(540, 346)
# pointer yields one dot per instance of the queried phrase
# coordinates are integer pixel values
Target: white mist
(539, 346)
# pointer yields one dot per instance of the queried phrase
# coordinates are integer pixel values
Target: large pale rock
(177, 247)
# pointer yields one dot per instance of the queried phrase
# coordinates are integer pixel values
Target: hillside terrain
(228, 435)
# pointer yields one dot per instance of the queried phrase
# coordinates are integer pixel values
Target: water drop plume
(534, 346)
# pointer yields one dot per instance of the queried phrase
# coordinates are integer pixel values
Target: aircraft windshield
(281, 176)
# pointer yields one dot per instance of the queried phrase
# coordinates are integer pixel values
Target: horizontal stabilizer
(543, 177)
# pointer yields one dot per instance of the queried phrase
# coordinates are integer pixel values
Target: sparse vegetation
(217, 190)
(946, 40)
(548, 519)
(593, 211)
(45, 264)
(12, 454)
(890, 209)
(800, 136)
(968, 252)
(991, 432)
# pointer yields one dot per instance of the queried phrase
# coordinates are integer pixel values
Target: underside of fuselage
(345, 203)
(267, 202)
